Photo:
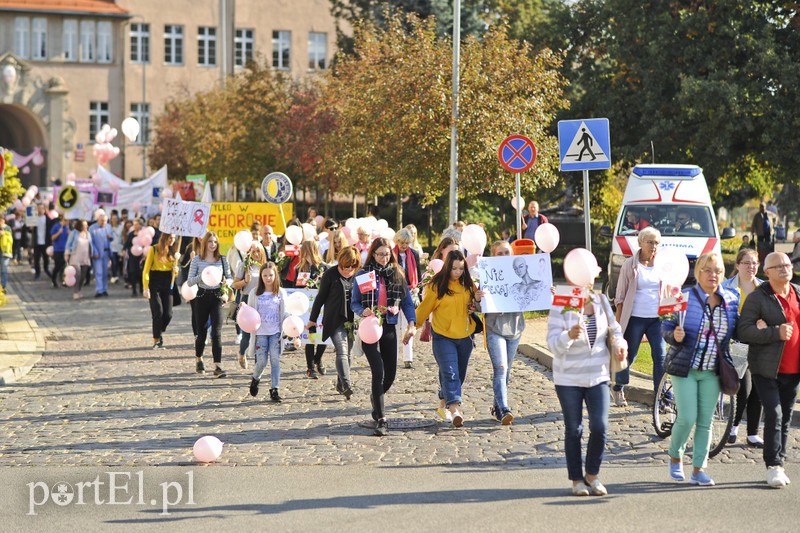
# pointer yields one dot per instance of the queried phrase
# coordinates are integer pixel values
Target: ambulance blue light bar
(674, 172)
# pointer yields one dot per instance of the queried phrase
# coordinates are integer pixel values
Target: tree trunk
(430, 226)
(399, 194)
(355, 206)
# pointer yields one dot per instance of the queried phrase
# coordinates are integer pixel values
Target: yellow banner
(229, 218)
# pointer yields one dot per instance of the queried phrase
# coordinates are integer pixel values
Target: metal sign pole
(519, 208)
(586, 222)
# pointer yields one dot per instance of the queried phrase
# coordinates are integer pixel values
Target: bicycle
(665, 411)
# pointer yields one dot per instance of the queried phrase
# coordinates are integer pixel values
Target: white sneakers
(239, 339)
(776, 477)
(619, 398)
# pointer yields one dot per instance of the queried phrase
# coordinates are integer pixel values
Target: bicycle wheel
(721, 423)
(664, 409)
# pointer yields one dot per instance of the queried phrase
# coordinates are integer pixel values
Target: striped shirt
(706, 351)
(197, 266)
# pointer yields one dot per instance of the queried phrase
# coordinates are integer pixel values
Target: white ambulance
(675, 200)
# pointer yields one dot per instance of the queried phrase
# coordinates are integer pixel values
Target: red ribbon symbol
(198, 216)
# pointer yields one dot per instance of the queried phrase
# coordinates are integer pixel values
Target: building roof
(85, 7)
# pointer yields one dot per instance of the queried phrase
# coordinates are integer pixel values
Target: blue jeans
(268, 350)
(452, 356)
(597, 400)
(100, 266)
(502, 351)
(696, 397)
(4, 261)
(637, 328)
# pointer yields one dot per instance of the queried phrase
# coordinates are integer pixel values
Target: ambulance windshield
(670, 220)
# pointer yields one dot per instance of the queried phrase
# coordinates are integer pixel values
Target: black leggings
(382, 357)
(160, 300)
(207, 304)
(58, 269)
(314, 356)
(747, 397)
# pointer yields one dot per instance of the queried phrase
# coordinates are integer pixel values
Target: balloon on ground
(207, 449)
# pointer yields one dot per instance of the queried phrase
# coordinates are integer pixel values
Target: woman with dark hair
(208, 302)
(390, 297)
(450, 297)
(335, 293)
(158, 277)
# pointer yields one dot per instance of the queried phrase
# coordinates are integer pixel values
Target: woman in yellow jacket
(160, 270)
(450, 297)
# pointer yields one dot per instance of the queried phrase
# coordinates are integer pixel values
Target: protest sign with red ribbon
(570, 296)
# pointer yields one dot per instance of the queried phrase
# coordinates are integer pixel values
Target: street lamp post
(454, 129)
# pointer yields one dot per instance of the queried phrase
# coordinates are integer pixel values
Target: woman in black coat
(335, 290)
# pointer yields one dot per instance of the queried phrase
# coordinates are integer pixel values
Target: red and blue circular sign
(517, 153)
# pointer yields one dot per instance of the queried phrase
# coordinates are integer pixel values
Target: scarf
(411, 266)
(385, 275)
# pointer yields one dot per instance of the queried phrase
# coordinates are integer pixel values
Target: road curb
(21, 341)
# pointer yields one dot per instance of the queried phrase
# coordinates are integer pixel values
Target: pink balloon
(136, 250)
(166, 193)
(546, 237)
(472, 260)
(26, 201)
(207, 449)
(49, 251)
(146, 239)
(26, 170)
(137, 241)
(19, 205)
(248, 318)
(70, 281)
(370, 330)
(70, 271)
(346, 231)
(145, 250)
(318, 220)
(436, 265)
(293, 326)
(38, 160)
(150, 230)
(189, 293)
(71, 176)
(580, 267)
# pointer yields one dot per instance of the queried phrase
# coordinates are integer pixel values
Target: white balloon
(381, 225)
(387, 233)
(514, 202)
(212, 276)
(474, 239)
(309, 231)
(243, 240)
(297, 303)
(672, 266)
(130, 128)
(351, 223)
(293, 326)
(189, 293)
(294, 235)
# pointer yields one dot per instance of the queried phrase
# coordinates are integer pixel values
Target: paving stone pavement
(101, 396)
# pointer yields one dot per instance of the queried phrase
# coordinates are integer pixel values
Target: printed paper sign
(366, 282)
(515, 283)
(570, 296)
(672, 304)
(292, 250)
(184, 218)
(302, 279)
(306, 337)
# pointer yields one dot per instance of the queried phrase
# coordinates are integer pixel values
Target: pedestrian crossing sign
(584, 144)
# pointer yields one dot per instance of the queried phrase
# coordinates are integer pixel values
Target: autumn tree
(392, 103)
(12, 188)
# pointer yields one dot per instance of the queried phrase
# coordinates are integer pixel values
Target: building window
(207, 46)
(173, 44)
(244, 47)
(22, 37)
(105, 46)
(39, 47)
(70, 35)
(141, 112)
(98, 115)
(317, 51)
(140, 43)
(87, 41)
(281, 46)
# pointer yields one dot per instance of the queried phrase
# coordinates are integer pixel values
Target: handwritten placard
(184, 218)
(515, 283)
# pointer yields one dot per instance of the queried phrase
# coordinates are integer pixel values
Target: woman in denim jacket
(692, 360)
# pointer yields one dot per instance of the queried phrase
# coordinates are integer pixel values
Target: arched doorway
(21, 131)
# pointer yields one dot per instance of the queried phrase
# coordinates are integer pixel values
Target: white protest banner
(515, 283)
(184, 218)
(366, 282)
(306, 337)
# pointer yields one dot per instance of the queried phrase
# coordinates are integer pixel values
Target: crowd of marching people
(377, 293)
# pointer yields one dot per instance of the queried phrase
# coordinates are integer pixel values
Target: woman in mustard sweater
(451, 296)
(160, 270)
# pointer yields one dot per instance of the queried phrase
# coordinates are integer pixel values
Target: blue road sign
(584, 144)
(517, 153)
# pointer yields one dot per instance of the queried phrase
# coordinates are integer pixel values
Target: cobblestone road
(101, 396)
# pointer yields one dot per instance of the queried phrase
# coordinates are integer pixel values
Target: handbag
(614, 365)
(478, 323)
(426, 336)
(728, 376)
(738, 352)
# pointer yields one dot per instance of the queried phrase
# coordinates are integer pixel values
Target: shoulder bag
(615, 365)
(728, 376)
